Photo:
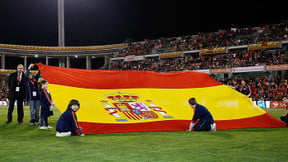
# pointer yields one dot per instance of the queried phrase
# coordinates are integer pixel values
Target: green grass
(29, 143)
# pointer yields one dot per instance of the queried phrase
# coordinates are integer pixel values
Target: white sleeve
(191, 126)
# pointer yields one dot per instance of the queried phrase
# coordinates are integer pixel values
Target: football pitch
(29, 143)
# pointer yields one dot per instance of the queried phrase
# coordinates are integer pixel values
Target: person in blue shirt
(33, 95)
(202, 119)
(46, 105)
(67, 124)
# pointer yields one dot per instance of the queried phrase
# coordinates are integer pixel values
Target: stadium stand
(221, 38)
(239, 58)
(256, 49)
(227, 55)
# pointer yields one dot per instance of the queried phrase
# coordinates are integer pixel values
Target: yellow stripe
(223, 102)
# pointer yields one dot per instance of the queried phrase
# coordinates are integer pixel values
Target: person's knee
(284, 118)
(196, 129)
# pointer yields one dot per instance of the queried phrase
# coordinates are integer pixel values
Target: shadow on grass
(253, 130)
(11, 125)
(169, 133)
(128, 134)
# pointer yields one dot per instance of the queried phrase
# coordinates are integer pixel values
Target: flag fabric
(139, 101)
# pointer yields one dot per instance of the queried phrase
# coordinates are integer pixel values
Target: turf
(29, 143)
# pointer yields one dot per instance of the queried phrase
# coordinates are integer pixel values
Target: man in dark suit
(16, 83)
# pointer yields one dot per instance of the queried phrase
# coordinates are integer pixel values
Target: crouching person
(67, 123)
(202, 119)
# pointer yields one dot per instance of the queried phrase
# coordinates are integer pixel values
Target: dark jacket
(45, 104)
(68, 122)
(33, 86)
(245, 89)
(201, 113)
(13, 83)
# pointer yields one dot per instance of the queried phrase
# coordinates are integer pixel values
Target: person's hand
(30, 66)
(51, 107)
(25, 102)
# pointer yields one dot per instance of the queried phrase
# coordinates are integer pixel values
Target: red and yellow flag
(138, 101)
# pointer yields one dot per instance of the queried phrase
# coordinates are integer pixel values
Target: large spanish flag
(138, 101)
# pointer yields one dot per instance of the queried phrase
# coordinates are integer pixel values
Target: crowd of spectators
(237, 58)
(235, 36)
(263, 88)
(3, 88)
(3, 93)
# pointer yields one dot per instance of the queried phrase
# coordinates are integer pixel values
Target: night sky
(98, 22)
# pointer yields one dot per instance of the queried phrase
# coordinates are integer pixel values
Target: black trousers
(285, 119)
(202, 126)
(20, 110)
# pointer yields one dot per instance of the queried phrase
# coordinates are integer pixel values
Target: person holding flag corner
(202, 119)
(67, 124)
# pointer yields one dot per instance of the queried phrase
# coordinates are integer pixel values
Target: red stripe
(73, 115)
(128, 115)
(139, 116)
(134, 116)
(131, 115)
(107, 79)
(261, 121)
(47, 96)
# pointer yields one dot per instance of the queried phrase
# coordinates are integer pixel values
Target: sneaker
(213, 127)
(63, 134)
(21, 123)
(49, 127)
(43, 127)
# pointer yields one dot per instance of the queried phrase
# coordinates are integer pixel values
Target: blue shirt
(32, 90)
(201, 113)
(245, 90)
(45, 104)
(68, 122)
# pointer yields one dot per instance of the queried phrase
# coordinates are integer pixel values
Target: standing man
(202, 119)
(16, 84)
